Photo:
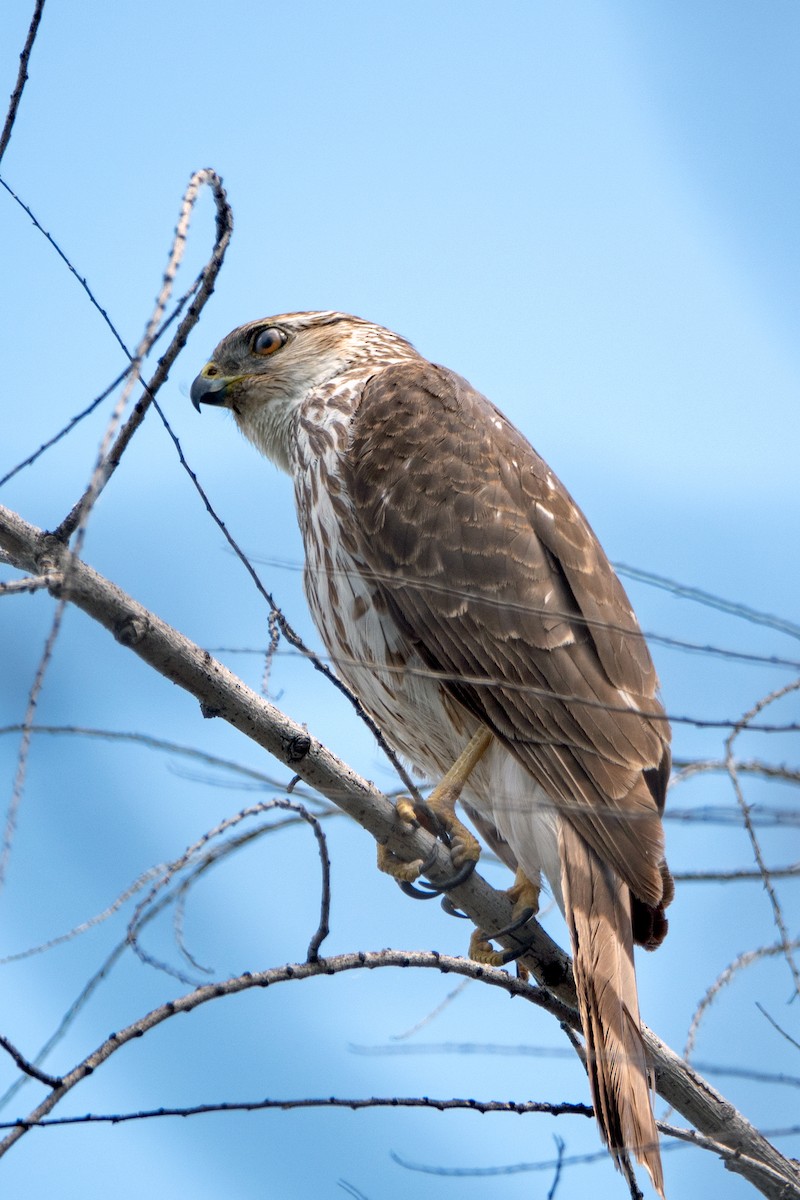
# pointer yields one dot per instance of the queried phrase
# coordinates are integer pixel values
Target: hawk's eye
(267, 341)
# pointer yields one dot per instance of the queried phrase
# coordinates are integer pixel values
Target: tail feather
(598, 912)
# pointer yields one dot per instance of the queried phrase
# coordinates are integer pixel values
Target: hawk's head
(264, 370)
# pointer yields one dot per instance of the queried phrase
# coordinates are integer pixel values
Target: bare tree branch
(222, 694)
(192, 1110)
(262, 979)
(763, 1176)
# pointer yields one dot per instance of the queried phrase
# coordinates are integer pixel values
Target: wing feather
(492, 571)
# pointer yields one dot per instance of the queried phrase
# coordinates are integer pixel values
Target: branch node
(131, 631)
(298, 747)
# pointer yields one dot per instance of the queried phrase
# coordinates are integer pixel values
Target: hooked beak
(209, 389)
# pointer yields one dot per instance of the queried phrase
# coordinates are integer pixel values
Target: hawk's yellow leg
(442, 802)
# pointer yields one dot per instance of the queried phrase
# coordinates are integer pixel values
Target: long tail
(598, 913)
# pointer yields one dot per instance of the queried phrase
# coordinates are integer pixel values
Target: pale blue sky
(589, 210)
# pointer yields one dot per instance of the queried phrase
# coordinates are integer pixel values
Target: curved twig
(730, 763)
(110, 455)
(262, 979)
(723, 979)
(108, 459)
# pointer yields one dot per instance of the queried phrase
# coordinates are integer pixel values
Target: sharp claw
(461, 876)
(452, 911)
(509, 956)
(480, 947)
(517, 923)
(427, 891)
(415, 892)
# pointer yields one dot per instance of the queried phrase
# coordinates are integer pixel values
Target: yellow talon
(406, 811)
(391, 864)
(464, 848)
(481, 950)
(524, 894)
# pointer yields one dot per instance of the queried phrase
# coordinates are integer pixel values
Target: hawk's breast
(379, 662)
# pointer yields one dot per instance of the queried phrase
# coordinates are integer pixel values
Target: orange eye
(267, 341)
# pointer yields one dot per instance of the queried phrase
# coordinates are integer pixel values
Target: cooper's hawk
(458, 588)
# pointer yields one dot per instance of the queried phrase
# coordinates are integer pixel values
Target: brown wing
(493, 572)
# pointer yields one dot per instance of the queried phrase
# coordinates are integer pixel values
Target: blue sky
(590, 211)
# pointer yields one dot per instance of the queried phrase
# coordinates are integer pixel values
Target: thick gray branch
(222, 694)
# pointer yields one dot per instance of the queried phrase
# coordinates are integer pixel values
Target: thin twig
(192, 852)
(739, 875)
(262, 979)
(560, 1147)
(351, 1189)
(323, 928)
(33, 583)
(426, 1020)
(492, 1049)
(154, 743)
(71, 268)
(684, 769)
(743, 960)
(22, 77)
(25, 742)
(488, 680)
(440, 1105)
(730, 763)
(278, 621)
(778, 1029)
(445, 588)
(733, 607)
(110, 456)
(90, 922)
(28, 1067)
(517, 1168)
(76, 420)
(82, 999)
(179, 928)
(106, 464)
